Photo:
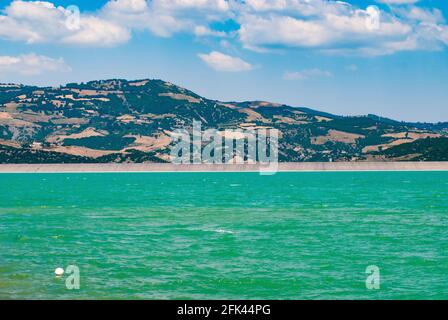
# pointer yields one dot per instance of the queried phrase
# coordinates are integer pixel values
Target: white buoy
(59, 272)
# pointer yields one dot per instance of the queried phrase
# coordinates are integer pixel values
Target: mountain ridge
(302, 108)
(119, 120)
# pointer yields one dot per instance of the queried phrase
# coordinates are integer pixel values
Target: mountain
(132, 121)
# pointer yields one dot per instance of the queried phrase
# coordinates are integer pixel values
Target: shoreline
(168, 167)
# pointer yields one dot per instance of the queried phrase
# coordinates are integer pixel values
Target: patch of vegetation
(429, 149)
(154, 109)
(25, 155)
(110, 142)
(132, 156)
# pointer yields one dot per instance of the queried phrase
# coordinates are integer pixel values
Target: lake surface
(224, 235)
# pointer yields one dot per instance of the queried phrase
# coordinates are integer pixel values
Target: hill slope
(132, 121)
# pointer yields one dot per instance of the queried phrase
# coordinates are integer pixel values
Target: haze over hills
(132, 121)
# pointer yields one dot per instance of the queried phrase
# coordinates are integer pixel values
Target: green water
(225, 235)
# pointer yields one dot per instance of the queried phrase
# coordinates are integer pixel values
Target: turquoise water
(225, 235)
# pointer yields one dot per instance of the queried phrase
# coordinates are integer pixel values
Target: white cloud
(202, 31)
(333, 27)
(259, 31)
(95, 31)
(325, 32)
(398, 1)
(129, 6)
(42, 22)
(166, 17)
(417, 14)
(31, 64)
(294, 7)
(222, 62)
(219, 5)
(140, 15)
(306, 74)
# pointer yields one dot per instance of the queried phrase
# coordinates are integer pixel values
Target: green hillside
(133, 121)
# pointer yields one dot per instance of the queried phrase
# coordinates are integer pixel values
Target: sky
(384, 57)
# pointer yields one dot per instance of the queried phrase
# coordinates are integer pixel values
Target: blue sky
(387, 57)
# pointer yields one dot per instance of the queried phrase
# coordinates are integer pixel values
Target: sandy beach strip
(168, 167)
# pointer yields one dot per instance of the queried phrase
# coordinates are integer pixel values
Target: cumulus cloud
(416, 14)
(335, 27)
(32, 64)
(306, 74)
(166, 17)
(347, 28)
(329, 26)
(219, 5)
(95, 31)
(222, 62)
(41, 22)
(295, 7)
(398, 1)
(201, 31)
